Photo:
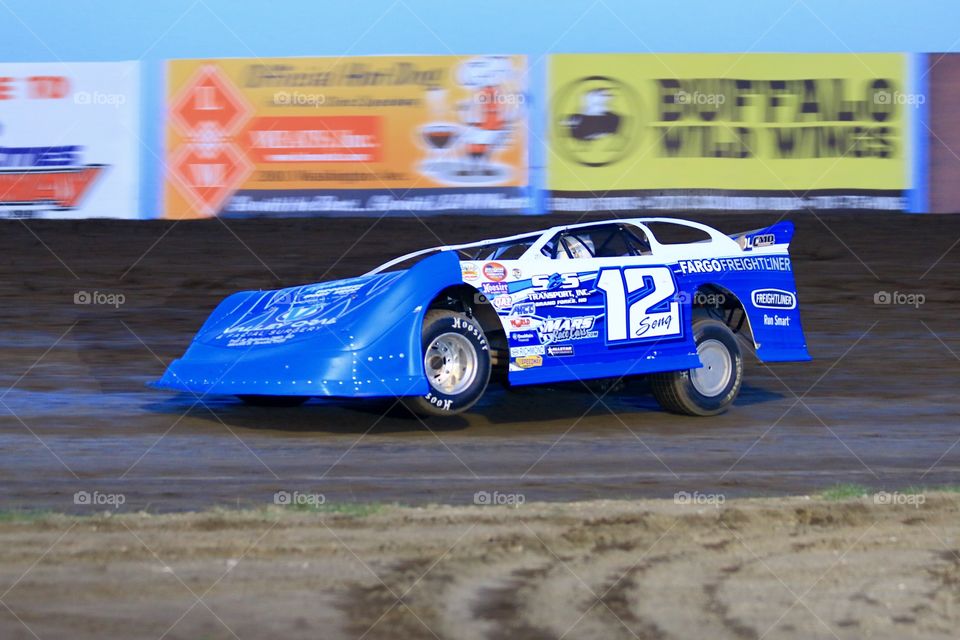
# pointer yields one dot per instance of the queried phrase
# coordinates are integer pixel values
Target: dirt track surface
(878, 405)
(781, 568)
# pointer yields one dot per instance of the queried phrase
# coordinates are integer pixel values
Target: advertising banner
(357, 136)
(631, 132)
(69, 137)
(939, 134)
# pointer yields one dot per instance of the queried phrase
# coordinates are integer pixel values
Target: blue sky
(121, 29)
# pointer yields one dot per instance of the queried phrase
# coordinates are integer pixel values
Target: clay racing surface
(877, 406)
(769, 568)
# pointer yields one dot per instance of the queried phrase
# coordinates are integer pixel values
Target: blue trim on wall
(918, 84)
(537, 87)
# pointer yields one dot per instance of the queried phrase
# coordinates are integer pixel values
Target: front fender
(371, 350)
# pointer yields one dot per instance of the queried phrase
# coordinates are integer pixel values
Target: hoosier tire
(709, 390)
(456, 361)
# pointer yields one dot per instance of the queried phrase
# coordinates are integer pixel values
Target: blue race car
(661, 297)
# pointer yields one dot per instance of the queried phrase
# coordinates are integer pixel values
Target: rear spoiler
(780, 233)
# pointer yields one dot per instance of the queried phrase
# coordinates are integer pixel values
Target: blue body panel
(353, 338)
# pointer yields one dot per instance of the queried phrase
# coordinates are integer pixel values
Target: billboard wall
(357, 136)
(728, 131)
(942, 133)
(69, 140)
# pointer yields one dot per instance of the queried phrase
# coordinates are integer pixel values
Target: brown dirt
(775, 568)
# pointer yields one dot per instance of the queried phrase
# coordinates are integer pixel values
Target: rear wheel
(456, 361)
(274, 401)
(713, 387)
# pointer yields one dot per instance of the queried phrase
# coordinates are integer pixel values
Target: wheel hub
(450, 362)
(713, 377)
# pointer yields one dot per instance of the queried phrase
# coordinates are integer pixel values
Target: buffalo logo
(595, 121)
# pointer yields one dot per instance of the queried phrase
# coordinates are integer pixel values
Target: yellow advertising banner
(362, 135)
(718, 131)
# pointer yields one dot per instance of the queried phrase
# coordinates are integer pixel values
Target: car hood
(284, 316)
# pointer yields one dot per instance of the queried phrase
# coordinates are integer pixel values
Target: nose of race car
(354, 337)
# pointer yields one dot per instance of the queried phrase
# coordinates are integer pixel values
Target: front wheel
(713, 387)
(456, 361)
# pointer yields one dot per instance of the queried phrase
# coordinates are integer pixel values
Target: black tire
(274, 401)
(677, 392)
(438, 325)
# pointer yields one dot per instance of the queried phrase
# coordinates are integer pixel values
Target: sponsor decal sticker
(524, 309)
(495, 271)
(556, 281)
(469, 271)
(560, 351)
(774, 299)
(563, 329)
(763, 240)
(529, 362)
(494, 288)
(532, 350)
(776, 320)
(717, 265)
(503, 302)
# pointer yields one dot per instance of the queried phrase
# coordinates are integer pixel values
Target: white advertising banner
(69, 140)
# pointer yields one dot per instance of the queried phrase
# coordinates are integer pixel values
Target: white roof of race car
(546, 234)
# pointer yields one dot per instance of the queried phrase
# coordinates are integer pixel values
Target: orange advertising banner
(359, 136)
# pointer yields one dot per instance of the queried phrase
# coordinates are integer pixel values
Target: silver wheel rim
(451, 363)
(712, 378)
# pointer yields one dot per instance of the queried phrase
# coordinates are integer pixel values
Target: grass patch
(351, 509)
(845, 491)
(23, 515)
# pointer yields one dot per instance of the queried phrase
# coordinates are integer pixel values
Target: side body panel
(583, 319)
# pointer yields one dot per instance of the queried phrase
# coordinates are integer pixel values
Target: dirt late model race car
(649, 296)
